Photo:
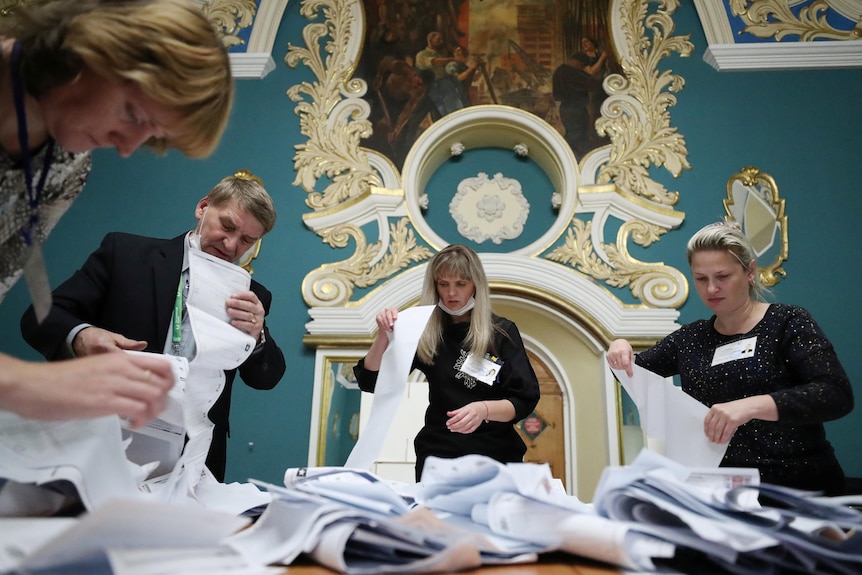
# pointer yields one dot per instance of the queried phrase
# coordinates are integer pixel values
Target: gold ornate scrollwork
(656, 284)
(334, 117)
(635, 114)
(229, 17)
(333, 284)
(753, 202)
(402, 251)
(774, 19)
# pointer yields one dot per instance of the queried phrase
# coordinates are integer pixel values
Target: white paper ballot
(161, 441)
(204, 388)
(211, 283)
(127, 524)
(391, 379)
(86, 452)
(670, 415)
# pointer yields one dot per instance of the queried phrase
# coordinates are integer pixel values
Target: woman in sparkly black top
(480, 381)
(767, 371)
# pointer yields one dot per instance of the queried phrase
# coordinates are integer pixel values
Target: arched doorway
(544, 431)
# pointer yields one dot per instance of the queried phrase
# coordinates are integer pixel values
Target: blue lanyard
(34, 195)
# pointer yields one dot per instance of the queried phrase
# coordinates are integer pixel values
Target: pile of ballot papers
(652, 516)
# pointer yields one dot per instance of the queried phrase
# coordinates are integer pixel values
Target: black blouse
(449, 389)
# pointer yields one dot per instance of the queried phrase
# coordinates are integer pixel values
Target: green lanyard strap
(177, 328)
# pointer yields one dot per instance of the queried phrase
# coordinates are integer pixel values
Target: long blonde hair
(461, 261)
(167, 47)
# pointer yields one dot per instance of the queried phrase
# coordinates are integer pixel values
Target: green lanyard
(177, 329)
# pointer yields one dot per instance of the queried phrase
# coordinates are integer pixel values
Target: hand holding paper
(213, 282)
(394, 369)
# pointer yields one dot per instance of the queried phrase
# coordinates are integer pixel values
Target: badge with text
(37, 282)
(485, 369)
(741, 349)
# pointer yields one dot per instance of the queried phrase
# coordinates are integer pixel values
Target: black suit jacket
(128, 286)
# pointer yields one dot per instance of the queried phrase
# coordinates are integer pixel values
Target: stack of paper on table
(653, 515)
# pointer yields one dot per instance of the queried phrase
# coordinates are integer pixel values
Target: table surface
(552, 564)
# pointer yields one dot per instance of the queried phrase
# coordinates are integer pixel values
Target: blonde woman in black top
(767, 371)
(480, 381)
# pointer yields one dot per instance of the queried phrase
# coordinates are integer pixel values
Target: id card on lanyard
(485, 369)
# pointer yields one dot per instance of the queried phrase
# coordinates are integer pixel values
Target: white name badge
(741, 349)
(481, 368)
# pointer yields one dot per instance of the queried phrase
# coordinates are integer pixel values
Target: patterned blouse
(66, 177)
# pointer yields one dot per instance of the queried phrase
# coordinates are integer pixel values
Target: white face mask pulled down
(456, 312)
(195, 237)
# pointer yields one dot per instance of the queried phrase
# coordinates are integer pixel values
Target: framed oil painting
(424, 61)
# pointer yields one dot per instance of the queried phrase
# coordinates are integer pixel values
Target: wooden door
(543, 430)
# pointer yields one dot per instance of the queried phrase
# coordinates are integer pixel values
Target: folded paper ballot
(84, 459)
(119, 524)
(361, 537)
(355, 487)
(727, 530)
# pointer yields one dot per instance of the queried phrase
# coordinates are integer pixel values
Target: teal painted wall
(802, 127)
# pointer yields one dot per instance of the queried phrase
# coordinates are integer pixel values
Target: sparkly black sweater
(795, 364)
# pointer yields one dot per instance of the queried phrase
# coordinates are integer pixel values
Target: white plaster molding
(850, 9)
(627, 207)
(386, 170)
(591, 164)
(256, 62)
(494, 208)
(359, 320)
(265, 26)
(609, 311)
(785, 56)
(378, 204)
(247, 65)
(497, 127)
(714, 19)
(606, 202)
(725, 54)
(616, 318)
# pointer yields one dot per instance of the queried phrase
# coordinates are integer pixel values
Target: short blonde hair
(167, 47)
(727, 237)
(247, 189)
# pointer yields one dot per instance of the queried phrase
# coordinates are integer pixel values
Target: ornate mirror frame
(753, 202)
